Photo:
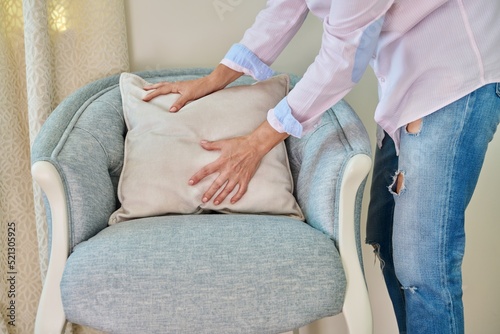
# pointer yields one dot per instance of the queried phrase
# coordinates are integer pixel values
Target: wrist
(222, 76)
(265, 138)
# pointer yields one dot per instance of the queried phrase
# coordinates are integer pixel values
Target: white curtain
(48, 48)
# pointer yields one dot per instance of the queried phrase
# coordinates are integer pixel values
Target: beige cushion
(162, 151)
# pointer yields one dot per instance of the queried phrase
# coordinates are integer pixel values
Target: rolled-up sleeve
(241, 59)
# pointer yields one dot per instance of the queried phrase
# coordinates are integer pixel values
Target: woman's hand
(239, 159)
(191, 90)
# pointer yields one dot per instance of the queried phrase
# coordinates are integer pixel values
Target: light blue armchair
(213, 273)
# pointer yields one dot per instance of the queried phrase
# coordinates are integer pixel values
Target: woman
(438, 66)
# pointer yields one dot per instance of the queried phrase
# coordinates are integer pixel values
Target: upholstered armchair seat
(178, 274)
(208, 273)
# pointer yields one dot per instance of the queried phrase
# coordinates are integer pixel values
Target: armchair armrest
(50, 314)
(74, 162)
(83, 141)
(330, 166)
(357, 302)
(318, 163)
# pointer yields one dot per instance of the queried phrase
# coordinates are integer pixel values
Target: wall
(194, 33)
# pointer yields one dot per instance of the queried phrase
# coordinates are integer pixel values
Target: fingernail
(204, 200)
(191, 182)
(204, 141)
(173, 109)
(216, 202)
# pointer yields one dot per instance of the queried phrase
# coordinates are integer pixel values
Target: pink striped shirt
(425, 54)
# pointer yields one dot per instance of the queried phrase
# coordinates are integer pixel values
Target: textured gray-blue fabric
(318, 161)
(212, 273)
(202, 273)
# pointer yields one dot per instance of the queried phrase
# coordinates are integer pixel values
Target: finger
(162, 88)
(152, 95)
(203, 173)
(212, 145)
(179, 103)
(230, 185)
(153, 86)
(243, 187)
(214, 188)
(149, 96)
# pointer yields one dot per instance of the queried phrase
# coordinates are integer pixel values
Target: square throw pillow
(162, 151)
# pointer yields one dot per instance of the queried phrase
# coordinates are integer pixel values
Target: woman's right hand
(191, 90)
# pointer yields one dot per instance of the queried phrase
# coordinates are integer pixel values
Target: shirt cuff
(241, 59)
(281, 119)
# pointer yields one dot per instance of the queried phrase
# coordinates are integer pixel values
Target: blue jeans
(417, 208)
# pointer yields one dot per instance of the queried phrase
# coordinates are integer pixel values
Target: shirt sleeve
(350, 34)
(273, 29)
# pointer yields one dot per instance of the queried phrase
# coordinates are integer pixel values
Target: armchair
(212, 273)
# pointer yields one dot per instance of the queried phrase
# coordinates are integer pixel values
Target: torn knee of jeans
(412, 289)
(398, 183)
(376, 251)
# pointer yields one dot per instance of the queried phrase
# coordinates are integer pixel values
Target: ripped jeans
(417, 208)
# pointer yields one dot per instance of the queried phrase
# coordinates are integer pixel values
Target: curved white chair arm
(50, 316)
(357, 309)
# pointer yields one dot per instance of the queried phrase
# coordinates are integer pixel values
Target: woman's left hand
(238, 161)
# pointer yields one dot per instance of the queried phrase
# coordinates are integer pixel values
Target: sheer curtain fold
(48, 49)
